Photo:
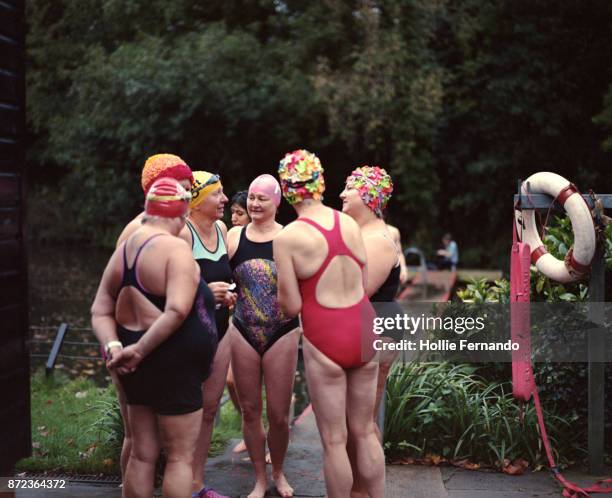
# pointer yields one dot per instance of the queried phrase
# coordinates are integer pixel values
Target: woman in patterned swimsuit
(264, 341)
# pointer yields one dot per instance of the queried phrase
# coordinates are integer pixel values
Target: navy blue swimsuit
(169, 379)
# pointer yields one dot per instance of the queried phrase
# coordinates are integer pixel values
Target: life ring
(578, 259)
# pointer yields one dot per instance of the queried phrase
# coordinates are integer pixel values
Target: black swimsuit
(169, 379)
(258, 316)
(385, 304)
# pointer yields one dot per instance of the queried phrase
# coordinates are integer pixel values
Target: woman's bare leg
(386, 360)
(178, 436)
(212, 389)
(138, 481)
(248, 373)
(279, 364)
(327, 388)
(360, 403)
(231, 389)
(126, 447)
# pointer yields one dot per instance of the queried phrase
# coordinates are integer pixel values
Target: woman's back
(143, 263)
(329, 248)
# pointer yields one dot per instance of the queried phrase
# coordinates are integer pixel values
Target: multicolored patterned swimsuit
(257, 315)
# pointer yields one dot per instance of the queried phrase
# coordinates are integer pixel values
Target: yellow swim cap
(203, 184)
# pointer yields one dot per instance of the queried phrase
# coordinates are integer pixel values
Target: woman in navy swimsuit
(154, 316)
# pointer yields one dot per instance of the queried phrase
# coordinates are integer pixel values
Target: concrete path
(232, 475)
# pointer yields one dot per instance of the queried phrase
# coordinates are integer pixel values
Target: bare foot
(240, 447)
(268, 458)
(282, 486)
(259, 491)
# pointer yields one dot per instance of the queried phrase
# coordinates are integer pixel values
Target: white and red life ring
(578, 260)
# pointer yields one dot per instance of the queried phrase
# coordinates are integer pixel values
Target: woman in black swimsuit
(364, 198)
(154, 316)
(264, 340)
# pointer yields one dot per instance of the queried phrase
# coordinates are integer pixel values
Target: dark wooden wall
(15, 439)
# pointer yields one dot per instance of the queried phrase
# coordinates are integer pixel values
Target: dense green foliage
(458, 99)
(451, 411)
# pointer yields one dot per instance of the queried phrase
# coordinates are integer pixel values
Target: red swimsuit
(344, 335)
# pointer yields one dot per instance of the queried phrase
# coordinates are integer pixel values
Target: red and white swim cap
(167, 198)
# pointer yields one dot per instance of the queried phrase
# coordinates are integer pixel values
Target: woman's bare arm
(289, 297)
(103, 308)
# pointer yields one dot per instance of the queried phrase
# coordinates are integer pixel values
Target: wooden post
(596, 366)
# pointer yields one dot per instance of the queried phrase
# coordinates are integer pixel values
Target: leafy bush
(449, 410)
(562, 386)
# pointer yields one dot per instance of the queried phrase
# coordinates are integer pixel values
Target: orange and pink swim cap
(161, 165)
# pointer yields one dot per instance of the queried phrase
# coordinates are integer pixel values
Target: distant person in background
(238, 208)
(448, 256)
(397, 238)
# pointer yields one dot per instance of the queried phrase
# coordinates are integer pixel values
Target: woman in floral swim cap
(320, 259)
(364, 198)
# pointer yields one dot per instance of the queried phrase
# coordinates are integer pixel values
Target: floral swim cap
(301, 176)
(374, 186)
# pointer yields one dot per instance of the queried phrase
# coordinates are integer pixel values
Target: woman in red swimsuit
(320, 260)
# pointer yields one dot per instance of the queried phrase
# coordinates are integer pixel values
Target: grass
(77, 427)
(64, 436)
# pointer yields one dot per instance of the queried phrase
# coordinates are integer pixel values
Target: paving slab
(461, 483)
(232, 474)
(413, 481)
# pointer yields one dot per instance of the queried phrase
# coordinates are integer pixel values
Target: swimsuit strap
(130, 275)
(198, 248)
(243, 237)
(335, 244)
(142, 247)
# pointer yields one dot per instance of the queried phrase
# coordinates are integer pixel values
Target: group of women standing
(162, 313)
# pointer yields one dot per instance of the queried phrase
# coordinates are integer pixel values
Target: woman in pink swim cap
(264, 339)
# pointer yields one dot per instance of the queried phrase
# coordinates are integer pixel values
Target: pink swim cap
(267, 184)
(167, 198)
